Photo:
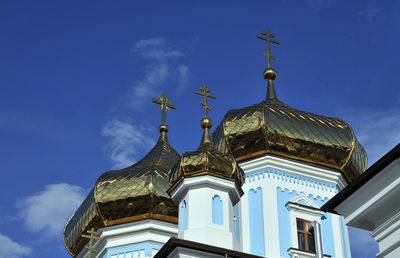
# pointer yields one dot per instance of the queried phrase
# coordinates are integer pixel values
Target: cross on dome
(269, 73)
(267, 36)
(165, 104)
(206, 95)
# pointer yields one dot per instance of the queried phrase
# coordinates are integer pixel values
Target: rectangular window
(305, 236)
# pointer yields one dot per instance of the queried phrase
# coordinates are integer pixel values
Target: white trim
(304, 198)
(133, 233)
(321, 173)
(301, 254)
(206, 181)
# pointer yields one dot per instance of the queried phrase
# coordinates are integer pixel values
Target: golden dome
(206, 160)
(130, 194)
(272, 127)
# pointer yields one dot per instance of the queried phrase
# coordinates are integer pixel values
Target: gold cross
(92, 237)
(268, 37)
(205, 94)
(165, 104)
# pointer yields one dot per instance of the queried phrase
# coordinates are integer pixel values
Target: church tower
(206, 185)
(294, 162)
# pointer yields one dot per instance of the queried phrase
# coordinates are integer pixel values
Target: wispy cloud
(377, 130)
(370, 10)
(125, 140)
(12, 249)
(162, 65)
(48, 210)
(362, 244)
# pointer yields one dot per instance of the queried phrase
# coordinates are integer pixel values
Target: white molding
(303, 197)
(301, 254)
(324, 174)
(386, 228)
(132, 233)
(206, 181)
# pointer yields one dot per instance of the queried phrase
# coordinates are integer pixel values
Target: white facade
(375, 206)
(284, 185)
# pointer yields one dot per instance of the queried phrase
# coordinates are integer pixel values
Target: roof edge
(370, 173)
(173, 243)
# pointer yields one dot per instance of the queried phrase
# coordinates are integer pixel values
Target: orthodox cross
(92, 237)
(206, 95)
(165, 104)
(267, 36)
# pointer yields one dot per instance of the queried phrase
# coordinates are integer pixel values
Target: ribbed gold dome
(130, 194)
(272, 127)
(206, 160)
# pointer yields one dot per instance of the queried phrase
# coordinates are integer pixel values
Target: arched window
(182, 216)
(217, 214)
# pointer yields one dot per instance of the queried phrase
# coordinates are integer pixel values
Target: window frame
(306, 233)
(311, 212)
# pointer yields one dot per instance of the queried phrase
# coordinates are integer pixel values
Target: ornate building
(254, 187)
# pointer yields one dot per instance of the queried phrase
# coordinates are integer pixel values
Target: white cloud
(148, 42)
(126, 139)
(11, 249)
(48, 210)
(378, 131)
(162, 66)
(362, 244)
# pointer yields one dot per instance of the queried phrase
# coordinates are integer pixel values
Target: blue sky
(77, 78)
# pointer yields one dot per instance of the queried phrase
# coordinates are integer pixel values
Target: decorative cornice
(288, 177)
(316, 173)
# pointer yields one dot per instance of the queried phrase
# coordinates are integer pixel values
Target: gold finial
(92, 237)
(269, 73)
(165, 104)
(267, 36)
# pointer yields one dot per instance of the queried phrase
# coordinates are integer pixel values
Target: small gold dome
(130, 194)
(272, 127)
(206, 160)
